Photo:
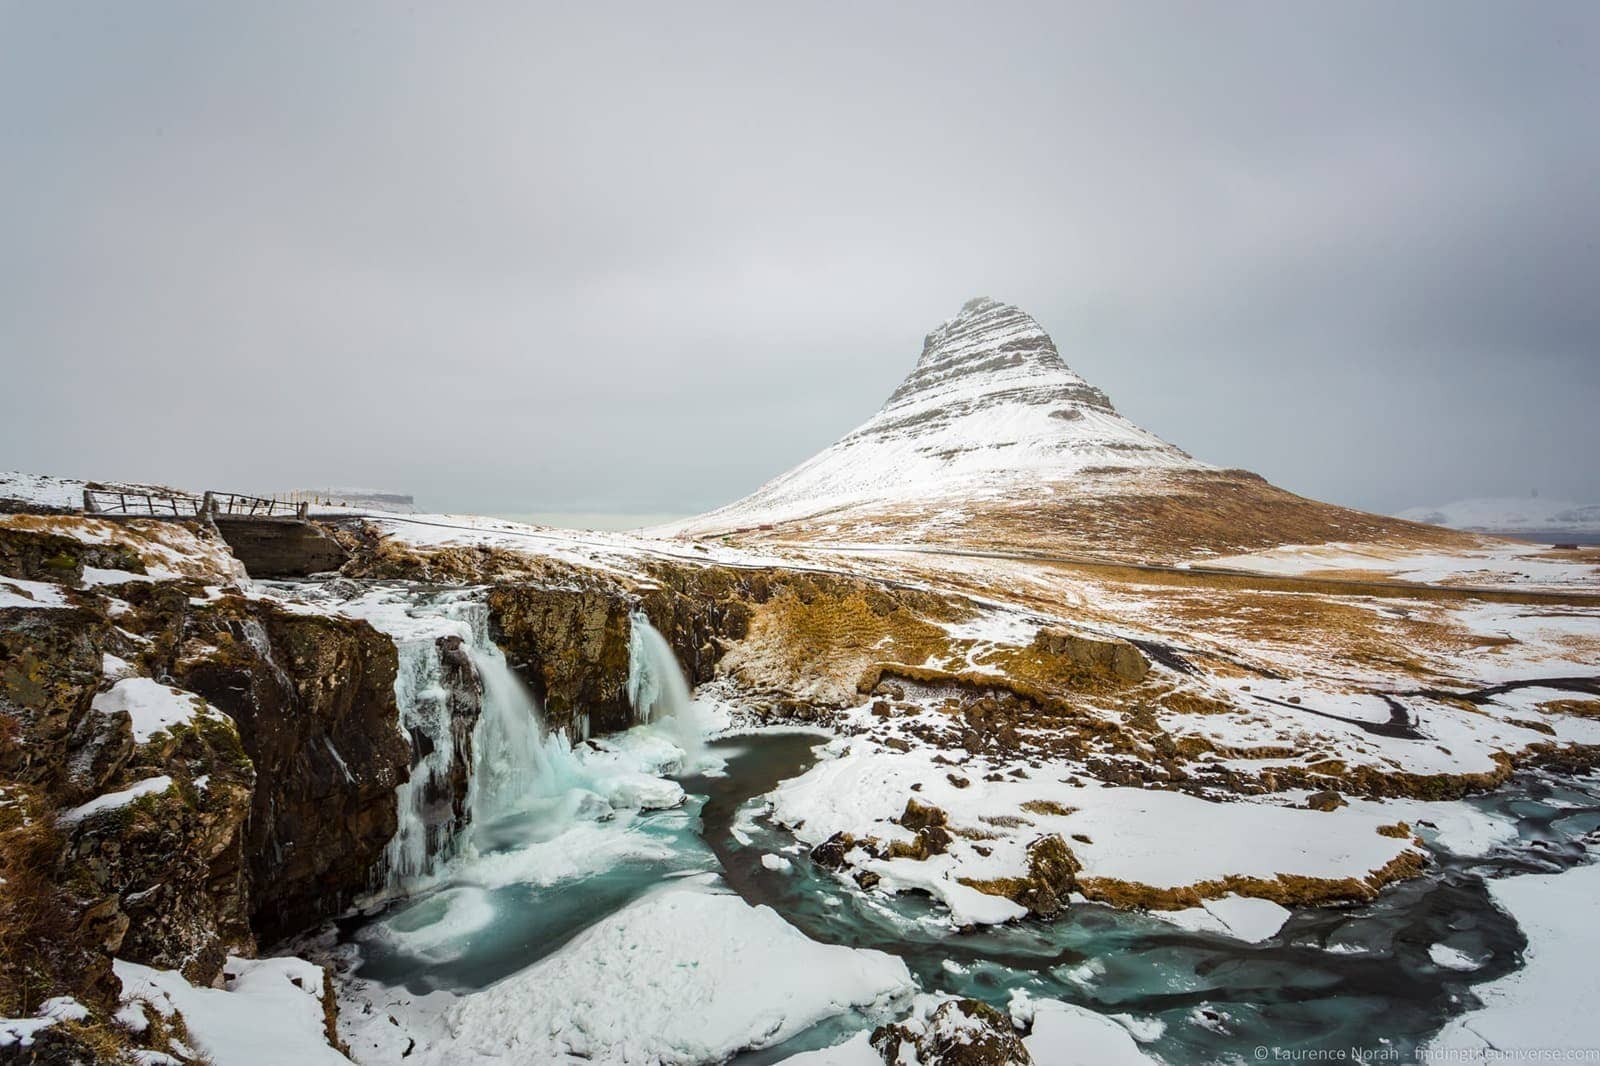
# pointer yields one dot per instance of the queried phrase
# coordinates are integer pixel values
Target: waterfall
(486, 775)
(513, 759)
(656, 687)
(452, 672)
(658, 691)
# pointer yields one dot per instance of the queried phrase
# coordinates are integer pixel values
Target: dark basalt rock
(313, 698)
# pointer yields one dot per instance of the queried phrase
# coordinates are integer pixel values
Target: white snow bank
(270, 1013)
(150, 786)
(1139, 835)
(1242, 917)
(15, 592)
(1451, 958)
(683, 975)
(1065, 1034)
(1547, 1003)
(22, 1031)
(152, 706)
(857, 1051)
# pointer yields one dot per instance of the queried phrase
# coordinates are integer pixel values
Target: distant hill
(1526, 514)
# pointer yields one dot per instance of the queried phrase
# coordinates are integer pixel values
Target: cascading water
(658, 691)
(514, 760)
(489, 786)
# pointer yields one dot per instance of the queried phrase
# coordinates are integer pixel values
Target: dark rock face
(154, 878)
(281, 548)
(570, 645)
(569, 641)
(174, 858)
(50, 669)
(313, 698)
(36, 555)
(464, 698)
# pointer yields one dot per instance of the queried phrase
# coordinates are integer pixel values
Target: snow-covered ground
(1544, 1006)
(688, 974)
(1127, 835)
(1495, 563)
(269, 1012)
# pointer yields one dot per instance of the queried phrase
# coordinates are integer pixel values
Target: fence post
(302, 511)
(88, 502)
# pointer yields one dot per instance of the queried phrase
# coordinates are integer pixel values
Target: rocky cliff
(183, 771)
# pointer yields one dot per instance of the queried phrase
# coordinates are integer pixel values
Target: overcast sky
(639, 259)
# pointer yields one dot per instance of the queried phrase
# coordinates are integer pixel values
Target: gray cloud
(540, 260)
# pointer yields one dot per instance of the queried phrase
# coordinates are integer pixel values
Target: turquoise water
(1351, 978)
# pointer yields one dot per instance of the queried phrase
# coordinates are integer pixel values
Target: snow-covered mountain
(1511, 515)
(993, 440)
(990, 408)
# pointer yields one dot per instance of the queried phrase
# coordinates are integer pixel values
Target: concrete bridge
(271, 537)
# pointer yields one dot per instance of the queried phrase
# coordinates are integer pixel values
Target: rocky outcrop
(50, 668)
(958, 1032)
(173, 858)
(567, 635)
(571, 647)
(39, 555)
(1118, 658)
(1051, 878)
(173, 825)
(313, 697)
(113, 842)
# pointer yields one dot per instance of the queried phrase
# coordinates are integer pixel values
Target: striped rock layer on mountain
(993, 441)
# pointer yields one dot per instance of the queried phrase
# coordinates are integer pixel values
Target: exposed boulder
(1051, 878)
(1326, 800)
(1115, 657)
(928, 823)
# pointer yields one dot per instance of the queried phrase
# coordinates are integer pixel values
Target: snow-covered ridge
(990, 406)
(1510, 515)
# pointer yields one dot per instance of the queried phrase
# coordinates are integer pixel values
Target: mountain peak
(991, 346)
(989, 411)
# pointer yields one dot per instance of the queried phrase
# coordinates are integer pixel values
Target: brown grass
(35, 920)
(1047, 807)
(1289, 890)
(1580, 708)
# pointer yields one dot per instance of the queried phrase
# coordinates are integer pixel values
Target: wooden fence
(181, 505)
